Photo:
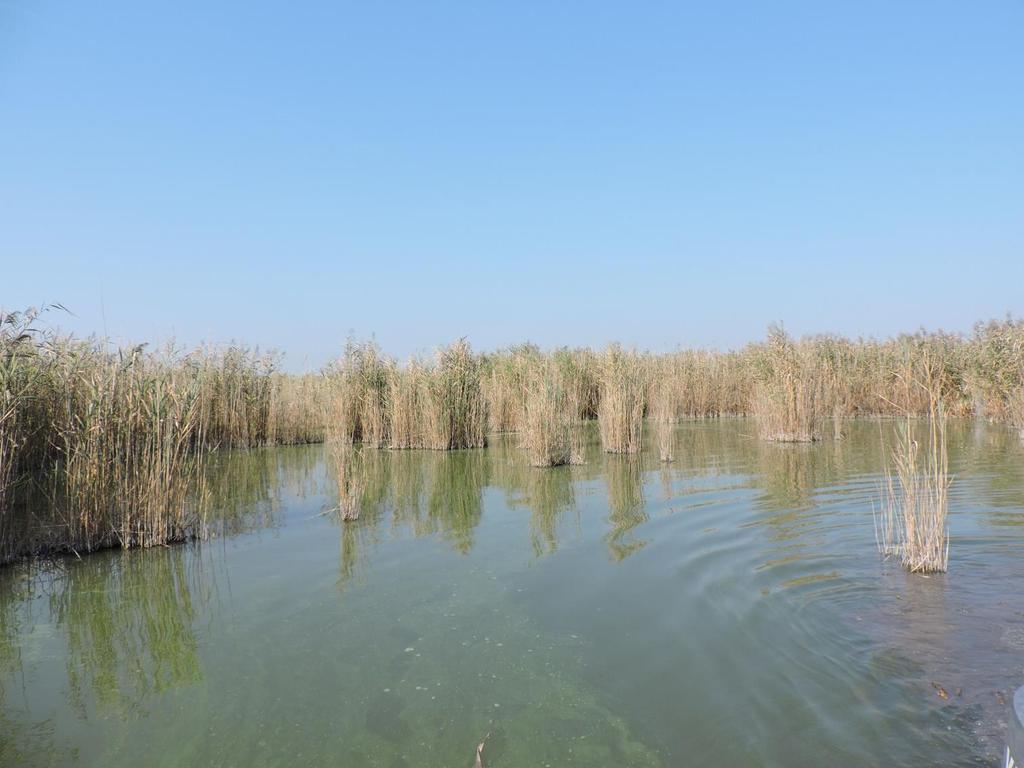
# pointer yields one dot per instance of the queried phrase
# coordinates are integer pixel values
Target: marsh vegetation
(103, 446)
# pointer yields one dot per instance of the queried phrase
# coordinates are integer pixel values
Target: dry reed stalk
(911, 524)
(623, 393)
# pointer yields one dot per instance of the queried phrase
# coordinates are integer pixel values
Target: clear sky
(286, 174)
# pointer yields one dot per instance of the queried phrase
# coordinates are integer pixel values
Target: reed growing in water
(440, 406)
(457, 409)
(623, 380)
(788, 399)
(109, 449)
(350, 477)
(102, 446)
(505, 381)
(551, 430)
(795, 388)
(666, 398)
(105, 447)
(912, 522)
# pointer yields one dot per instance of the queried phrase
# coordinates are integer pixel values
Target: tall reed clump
(128, 447)
(788, 399)
(551, 431)
(912, 522)
(504, 382)
(456, 413)
(359, 387)
(623, 379)
(408, 398)
(439, 406)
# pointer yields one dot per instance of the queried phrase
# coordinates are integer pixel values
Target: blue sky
(662, 174)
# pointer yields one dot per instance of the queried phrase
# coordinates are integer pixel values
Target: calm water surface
(728, 608)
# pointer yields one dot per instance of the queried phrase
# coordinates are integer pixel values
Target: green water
(726, 609)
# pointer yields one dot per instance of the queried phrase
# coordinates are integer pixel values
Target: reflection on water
(127, 622)
(728, 607)
(246, 487)
(551, 498)
(624, 479)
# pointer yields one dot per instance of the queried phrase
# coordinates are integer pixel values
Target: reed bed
(101, 446)
(799, 390)
(105, 447)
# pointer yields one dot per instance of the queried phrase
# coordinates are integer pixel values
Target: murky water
(726, 609)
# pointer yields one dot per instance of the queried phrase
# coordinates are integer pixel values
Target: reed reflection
(550, 496)
(624, 483)
(128, 623)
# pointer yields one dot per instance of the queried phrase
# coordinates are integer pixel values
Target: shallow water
(728, 608)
